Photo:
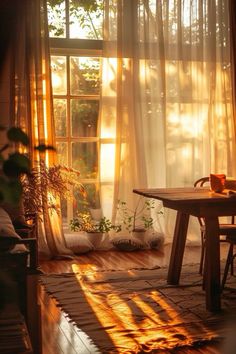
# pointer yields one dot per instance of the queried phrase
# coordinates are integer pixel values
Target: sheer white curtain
(167, 90)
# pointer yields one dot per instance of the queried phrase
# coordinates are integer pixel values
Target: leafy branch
(84, 222)
(138, 218)
(47, 183)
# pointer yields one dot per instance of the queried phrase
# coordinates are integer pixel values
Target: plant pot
(95, 238)
(139, 233)
(96, 214)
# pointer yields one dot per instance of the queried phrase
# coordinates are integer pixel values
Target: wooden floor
(60, 336)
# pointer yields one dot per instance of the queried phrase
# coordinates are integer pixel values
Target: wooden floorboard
(59, 335)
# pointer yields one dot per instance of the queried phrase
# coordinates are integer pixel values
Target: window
(75, 29)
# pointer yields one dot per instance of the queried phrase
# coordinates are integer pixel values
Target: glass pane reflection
(60, 117)
(58, 68)
(62, 153)
(85, 75)
(85, 159)
(84, 117)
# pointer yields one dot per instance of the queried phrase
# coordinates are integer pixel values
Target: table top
(187, 194)
(194, 198)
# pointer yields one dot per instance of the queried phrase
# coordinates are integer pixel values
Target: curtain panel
(33, 109)
(232, 11)
(167, 88)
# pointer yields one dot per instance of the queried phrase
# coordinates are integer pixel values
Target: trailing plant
(139, 218)
(84, 222)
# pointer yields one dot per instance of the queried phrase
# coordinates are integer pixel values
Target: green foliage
(17, 135)
(45, 183)
(12, 166)
(84, 222)
(15, 165)
(10, 191)
(140, 217)
(83, 13)
(56, 17)
(18, 180)
(90, 199)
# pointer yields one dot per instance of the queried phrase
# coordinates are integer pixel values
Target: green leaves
(17, 135)
(84, 222)
(140, 217)
(15, 165)
(10, 191)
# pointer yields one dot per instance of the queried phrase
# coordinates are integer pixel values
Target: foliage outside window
(76, 90)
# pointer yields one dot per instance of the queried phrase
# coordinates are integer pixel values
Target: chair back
(230, 183)
(202, 182)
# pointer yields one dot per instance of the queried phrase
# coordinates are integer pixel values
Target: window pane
(84, 117)
(90, 201)
(86, 19)
(84, 159)
(58, 67)
(85, 75)
(60, 117)
(56, 18)
(62, 153)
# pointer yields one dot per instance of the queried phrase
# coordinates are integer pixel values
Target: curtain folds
(33, 108)
(232, 11)
(167, 87)
(166, 102)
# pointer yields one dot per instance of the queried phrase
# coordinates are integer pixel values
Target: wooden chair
(227, 232)
(230, 258)
(22, 269)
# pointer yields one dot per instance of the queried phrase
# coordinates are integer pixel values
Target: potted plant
(12, 164)
(48, 183)
(95, 229)
(139, 220)
(89, 202)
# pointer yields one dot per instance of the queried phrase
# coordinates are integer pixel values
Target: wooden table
(199, 202)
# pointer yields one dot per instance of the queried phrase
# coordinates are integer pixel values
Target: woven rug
(136, 311)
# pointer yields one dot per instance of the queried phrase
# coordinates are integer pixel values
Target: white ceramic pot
(95, 238)
(139, 233)
(96, 214)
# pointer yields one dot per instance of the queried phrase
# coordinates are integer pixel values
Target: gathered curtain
(167, 91)
(232, 20)
(33, 108)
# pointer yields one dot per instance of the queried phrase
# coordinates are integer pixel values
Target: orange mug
(217, 182)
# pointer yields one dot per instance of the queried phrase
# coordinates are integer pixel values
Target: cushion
(79, 244)
(127, 243)
(7, 229)
(155, 240)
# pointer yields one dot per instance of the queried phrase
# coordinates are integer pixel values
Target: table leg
(212, 266)
(177, 251)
